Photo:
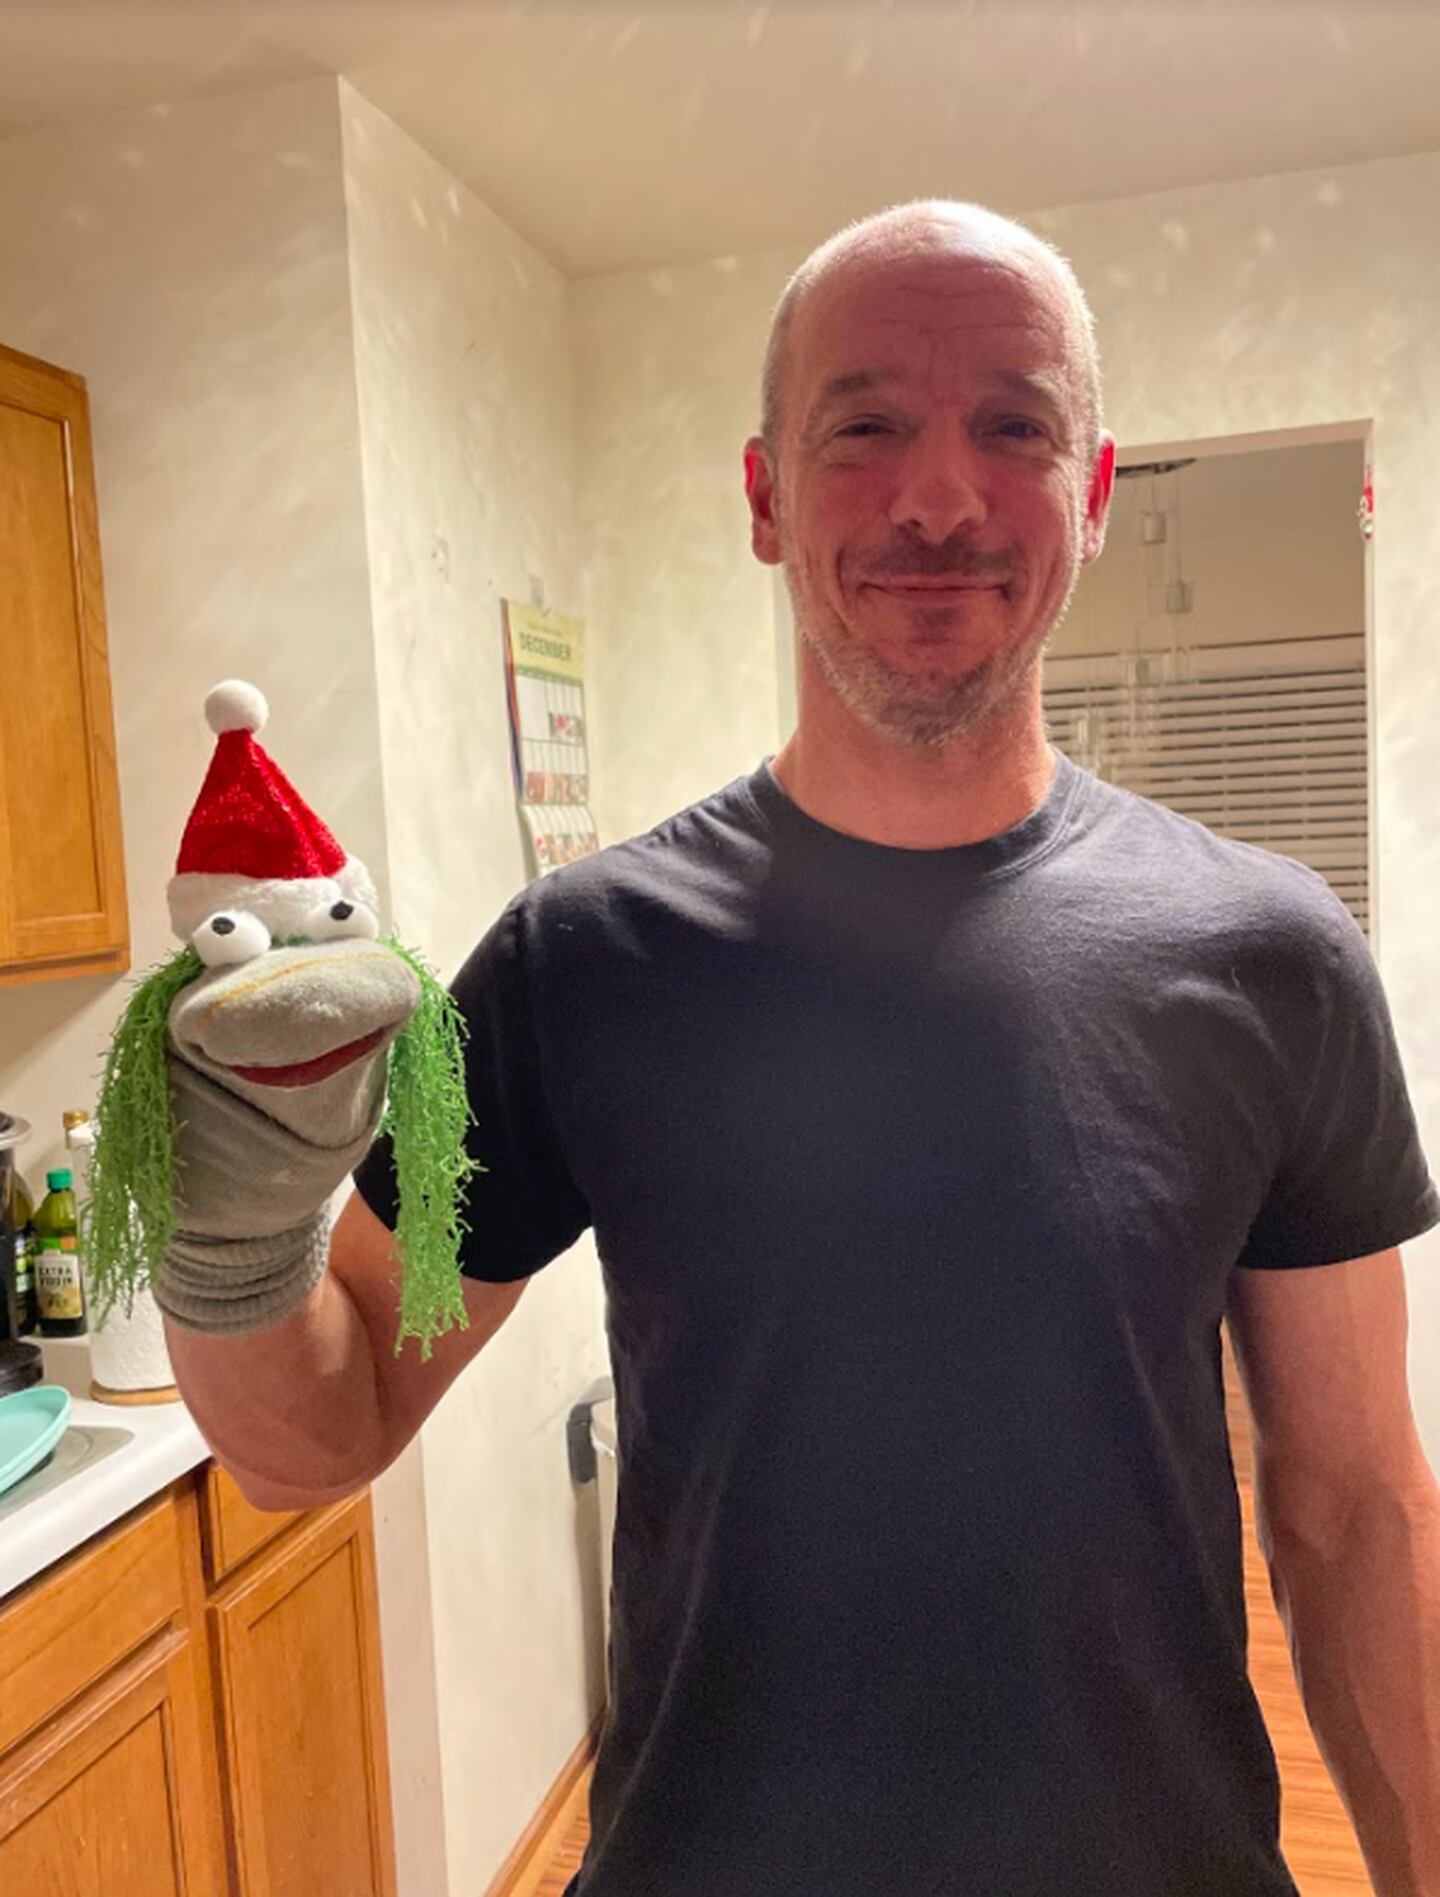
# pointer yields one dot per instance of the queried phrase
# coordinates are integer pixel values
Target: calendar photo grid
(544, 676)
(559, 834)
(555, 766)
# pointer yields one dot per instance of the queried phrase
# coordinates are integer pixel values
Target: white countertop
(165, 1442)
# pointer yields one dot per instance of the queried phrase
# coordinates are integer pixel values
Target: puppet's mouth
(305, 1073)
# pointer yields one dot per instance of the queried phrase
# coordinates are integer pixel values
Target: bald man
(932, 1103)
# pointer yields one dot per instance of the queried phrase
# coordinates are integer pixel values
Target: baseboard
(517, 1873)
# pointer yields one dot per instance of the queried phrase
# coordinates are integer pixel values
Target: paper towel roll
(128, 1359)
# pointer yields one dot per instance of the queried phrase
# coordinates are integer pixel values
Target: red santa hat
(252, 843)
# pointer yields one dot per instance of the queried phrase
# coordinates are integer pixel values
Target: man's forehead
(945, 304)
(935, 291)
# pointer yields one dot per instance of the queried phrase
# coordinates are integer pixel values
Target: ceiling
(613, 136)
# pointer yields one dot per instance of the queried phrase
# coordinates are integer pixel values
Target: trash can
(592, 1444)
(602, 1436)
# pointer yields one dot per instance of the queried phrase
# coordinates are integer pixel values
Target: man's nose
(940, 491)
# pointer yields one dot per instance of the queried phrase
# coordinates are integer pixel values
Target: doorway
(1215, 657)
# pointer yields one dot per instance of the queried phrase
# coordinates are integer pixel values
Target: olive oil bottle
(58, 1283)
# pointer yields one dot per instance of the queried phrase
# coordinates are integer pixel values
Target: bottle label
(57, 1279)
(24, 1273)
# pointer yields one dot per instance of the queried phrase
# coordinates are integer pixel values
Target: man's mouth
(306, 1072)
(945, 585)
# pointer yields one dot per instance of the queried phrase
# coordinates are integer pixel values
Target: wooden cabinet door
(62, 883)
(232, 1529)
(302, 1714)
(113, 1799)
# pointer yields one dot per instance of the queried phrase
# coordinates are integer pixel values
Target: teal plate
(31, 1423)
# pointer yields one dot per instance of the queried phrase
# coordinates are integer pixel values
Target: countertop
(57, 1517)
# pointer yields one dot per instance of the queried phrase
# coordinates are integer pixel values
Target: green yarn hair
(130, 1220)
(427, 1114)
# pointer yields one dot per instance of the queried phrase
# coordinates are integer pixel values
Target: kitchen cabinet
(108, 1779)
(296, 1645)
(192, 1704)
(62, 877)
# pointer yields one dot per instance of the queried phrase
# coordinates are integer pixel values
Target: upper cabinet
(62, 877)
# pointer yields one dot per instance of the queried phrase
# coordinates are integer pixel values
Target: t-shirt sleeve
(1353, 1179)
(522, 1208)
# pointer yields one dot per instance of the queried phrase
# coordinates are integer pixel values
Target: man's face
(935, 499)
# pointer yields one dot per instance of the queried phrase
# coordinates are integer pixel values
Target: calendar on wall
(545, 685)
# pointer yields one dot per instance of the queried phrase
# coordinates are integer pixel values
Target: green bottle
(58, 1284)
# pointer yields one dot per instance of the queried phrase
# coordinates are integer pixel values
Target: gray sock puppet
(250, 1071)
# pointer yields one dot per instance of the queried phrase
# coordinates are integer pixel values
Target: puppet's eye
(230, 936)
(342, 918)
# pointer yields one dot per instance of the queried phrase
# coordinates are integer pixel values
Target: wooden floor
(1318, 1840)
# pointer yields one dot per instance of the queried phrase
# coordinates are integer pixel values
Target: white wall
(466, 389)
(1270, 304)
(189, 261)
(683, 693)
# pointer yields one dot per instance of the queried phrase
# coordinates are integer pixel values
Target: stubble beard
(922, 709)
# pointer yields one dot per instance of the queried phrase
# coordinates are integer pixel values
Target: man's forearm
(1359, 1591)
(292, 1411)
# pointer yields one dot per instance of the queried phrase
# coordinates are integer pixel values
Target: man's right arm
(315, 1406)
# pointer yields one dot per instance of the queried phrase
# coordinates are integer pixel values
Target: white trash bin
(602, 1435)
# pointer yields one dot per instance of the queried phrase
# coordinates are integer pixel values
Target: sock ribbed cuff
(240, 1285)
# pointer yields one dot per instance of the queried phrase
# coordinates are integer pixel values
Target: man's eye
(857, 431)
(1019, 428)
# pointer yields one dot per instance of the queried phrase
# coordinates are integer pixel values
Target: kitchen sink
(80, 1448)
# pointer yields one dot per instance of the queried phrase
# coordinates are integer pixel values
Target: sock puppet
(251, 1070)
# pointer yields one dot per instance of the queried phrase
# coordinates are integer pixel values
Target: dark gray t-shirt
(918, 1178)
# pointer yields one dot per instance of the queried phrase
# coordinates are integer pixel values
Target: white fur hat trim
(284, 905)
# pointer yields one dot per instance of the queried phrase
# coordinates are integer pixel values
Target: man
(932, 1102)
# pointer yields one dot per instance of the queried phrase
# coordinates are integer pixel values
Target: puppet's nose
(297, 1008)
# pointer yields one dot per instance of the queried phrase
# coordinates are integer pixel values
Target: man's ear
(1097, 501)
(762, 493)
